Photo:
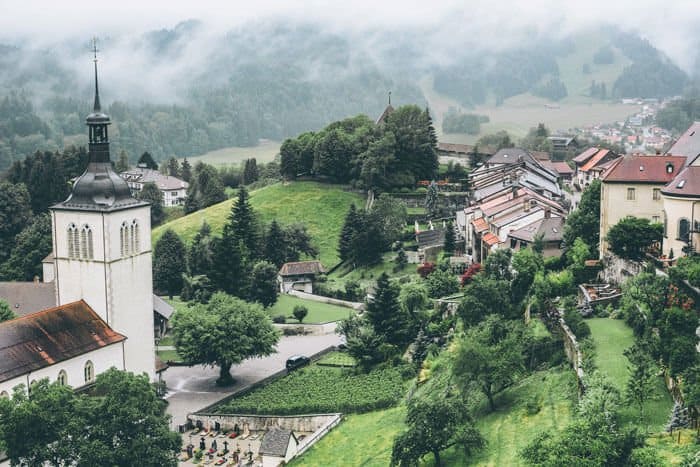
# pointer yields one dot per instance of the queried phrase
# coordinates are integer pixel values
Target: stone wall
(617, 270)
(332, 301)
(573, 352)
(296, 423)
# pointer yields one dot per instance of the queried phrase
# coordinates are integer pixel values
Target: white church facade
(103, 284)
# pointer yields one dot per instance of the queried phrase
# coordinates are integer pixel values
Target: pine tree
(385, 314)
(347, 233)
(200, 256)
(186, 171)
(275, 245)
(250, 171)
(122, 164)
(289, 158)
(242, 226)
(450, 239)
(173, 168)
(169, 263)
(151, 193)
(148, 160)
(431, 199)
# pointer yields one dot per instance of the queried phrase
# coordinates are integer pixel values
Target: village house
(688, 144)
(562, 143)
(278, 447)
(632, 187)
(681, 198)
(591, 164)
(464, 154)
(549, 230)
(299, 276)
(173, 189)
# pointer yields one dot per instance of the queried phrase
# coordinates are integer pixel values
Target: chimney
(547, 213)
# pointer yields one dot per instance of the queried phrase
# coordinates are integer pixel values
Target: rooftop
(163, 182)
(688, 144)
(301, 267)
(275, 442)
(686, 183)
(42, 339)
(28, 297)
(645, 169)
(550, 228)
(595, 160)
(510, 156)
(585, 155)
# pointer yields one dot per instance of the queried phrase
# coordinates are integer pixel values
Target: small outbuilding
(278, 447)
(299, 276)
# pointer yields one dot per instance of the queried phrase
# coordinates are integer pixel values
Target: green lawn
(364, 439)
(611, 337)
(368, 275)
(169, 355)
(318, 312)
(265, 151)
(320, 207)
(337, 359)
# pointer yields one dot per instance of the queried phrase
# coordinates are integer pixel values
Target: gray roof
(688, 144)
(510, 156)
(163, 182)
(431, 237)
(275, 442)
(550, 228)
(28, 297)
(162, 307)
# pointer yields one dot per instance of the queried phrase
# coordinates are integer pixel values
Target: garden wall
(617, 270)
(573, 352)
(297, 423)
(331, 301)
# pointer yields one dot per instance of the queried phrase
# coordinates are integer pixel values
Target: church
(101, 273)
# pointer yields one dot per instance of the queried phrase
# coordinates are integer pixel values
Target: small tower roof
(99, 188)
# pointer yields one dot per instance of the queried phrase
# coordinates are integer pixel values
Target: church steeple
(97, 123)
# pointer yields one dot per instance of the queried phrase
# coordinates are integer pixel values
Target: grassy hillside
(320, 207)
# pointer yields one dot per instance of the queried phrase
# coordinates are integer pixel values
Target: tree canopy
(631, 236)
(223, 332)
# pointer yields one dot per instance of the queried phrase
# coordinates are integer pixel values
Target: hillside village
(372, 296)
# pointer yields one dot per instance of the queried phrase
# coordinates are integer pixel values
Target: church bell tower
(102, 248)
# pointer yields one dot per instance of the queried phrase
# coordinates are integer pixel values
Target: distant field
(263, 152)
(318, 312)
(320, 207)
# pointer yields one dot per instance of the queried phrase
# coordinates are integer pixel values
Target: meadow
(265, 151)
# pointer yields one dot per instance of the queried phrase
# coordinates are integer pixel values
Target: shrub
(471, 271)
(425, 269)
(279, 319)
(533, 405)
(300, 312)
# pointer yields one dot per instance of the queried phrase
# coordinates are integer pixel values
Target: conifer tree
(173, 167)
(275, 245)
(242, 225)
(450, 240)
(347, 233)
(122, 164)
(148, 160)
(169, 263)
(200, 257)
(186, 171)
(151, 193)
(250, 171)
(385, 314)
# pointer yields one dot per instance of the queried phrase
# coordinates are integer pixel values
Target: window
(684, 230)
(656, 194)
(86, 249)
(630, 194)
(72, 241)
(124, 239)
(135, 240)
(62, 378)
(89, 372)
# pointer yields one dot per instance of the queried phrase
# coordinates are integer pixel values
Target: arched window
(89, 372)
(72, 241)
(86, 249)
(4, 395)
(62, 377)
(136, 244)
(684, 229)
(124, 238)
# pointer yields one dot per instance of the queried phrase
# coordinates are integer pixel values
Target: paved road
(192, 388)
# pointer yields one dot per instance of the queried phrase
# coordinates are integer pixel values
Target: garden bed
(321, 389)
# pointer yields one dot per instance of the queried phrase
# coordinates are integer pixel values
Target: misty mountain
(186, 90)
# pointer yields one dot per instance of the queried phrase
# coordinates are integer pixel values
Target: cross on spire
(96, 106)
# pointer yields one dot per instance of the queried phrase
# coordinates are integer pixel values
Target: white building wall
(102, 359)
(119, 289)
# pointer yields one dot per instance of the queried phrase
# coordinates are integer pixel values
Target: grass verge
(319, 312)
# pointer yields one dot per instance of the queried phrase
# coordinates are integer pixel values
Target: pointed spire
(96, 106)
(389, 97)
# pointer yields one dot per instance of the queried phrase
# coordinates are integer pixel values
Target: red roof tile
(593, 161)
(585, 155)
(50, 336)
(490, 239)
(480, 225)
(645, 169)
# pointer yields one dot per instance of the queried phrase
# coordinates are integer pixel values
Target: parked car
(297, 361)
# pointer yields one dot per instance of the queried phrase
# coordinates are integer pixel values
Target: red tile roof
(490, 239)
(301, 268)
(645, 169)
(686, 183)
(593, 161)
(480, 225)
(585, 155)
(562, 168)
(50, 336)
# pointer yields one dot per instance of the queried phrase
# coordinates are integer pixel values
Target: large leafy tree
(584, 222)
(153, 195)
(169, 263)
(223, 332)
(206, 188)
(31, 246)
(391, 215)
(526, 263)
(433, 426)
(288, 243)
(289, 158)
(497, 265)
(15, 212)
(491, 356)
(121, 421)
(631, 236)
(484, 296)
(416, 144)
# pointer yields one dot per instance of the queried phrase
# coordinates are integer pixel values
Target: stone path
(193, 388)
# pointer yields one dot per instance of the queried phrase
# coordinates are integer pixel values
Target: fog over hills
(185, 79)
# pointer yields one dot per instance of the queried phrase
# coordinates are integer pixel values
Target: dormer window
(669, 168)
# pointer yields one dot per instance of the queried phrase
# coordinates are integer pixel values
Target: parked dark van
(297, 361)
